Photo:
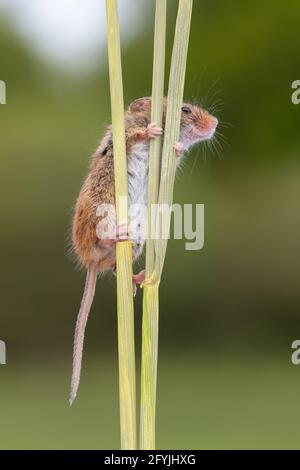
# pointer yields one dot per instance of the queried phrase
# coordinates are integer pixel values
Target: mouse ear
(142, 104)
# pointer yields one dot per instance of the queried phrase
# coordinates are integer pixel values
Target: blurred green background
(230, 312)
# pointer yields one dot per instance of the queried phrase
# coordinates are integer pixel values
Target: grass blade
(172, 128)
(160, 190)
(127, 387)
(151, 290)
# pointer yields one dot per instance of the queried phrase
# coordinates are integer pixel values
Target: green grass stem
(127, 388)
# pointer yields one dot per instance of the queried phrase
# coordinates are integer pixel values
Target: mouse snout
(208, 123)
(206, 126)
(214, 122)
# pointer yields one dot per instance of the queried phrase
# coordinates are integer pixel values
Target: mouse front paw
(153, 131)
(179, 149)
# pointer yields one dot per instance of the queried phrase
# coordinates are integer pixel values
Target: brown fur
(93, 252)
(98, 187)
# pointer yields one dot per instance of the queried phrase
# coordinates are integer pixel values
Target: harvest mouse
(95, 252)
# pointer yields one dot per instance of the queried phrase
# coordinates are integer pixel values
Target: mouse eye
(186, 110)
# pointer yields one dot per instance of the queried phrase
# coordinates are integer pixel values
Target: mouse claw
(179, 149)
(121, 236)
(137, 279)
(153, 131)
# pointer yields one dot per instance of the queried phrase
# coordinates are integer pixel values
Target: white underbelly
(137, 170)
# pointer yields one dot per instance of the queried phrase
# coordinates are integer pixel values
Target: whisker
(194, 164)
(206, 97)
(222, 137)
(214, 96)
(216, 107)
(225, 125)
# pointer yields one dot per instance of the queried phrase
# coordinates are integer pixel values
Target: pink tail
(82, 318)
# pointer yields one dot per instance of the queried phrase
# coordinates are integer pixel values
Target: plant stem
(162, 170)
(127, 387)
(172, 128)
(149, 366)
(151, 291)
(157, 117)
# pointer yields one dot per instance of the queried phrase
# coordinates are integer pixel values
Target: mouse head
(197, 124)
(141, 106)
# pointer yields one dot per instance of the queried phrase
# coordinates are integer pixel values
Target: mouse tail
(86, 303)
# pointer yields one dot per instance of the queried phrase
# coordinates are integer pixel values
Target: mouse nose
(214, 122)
